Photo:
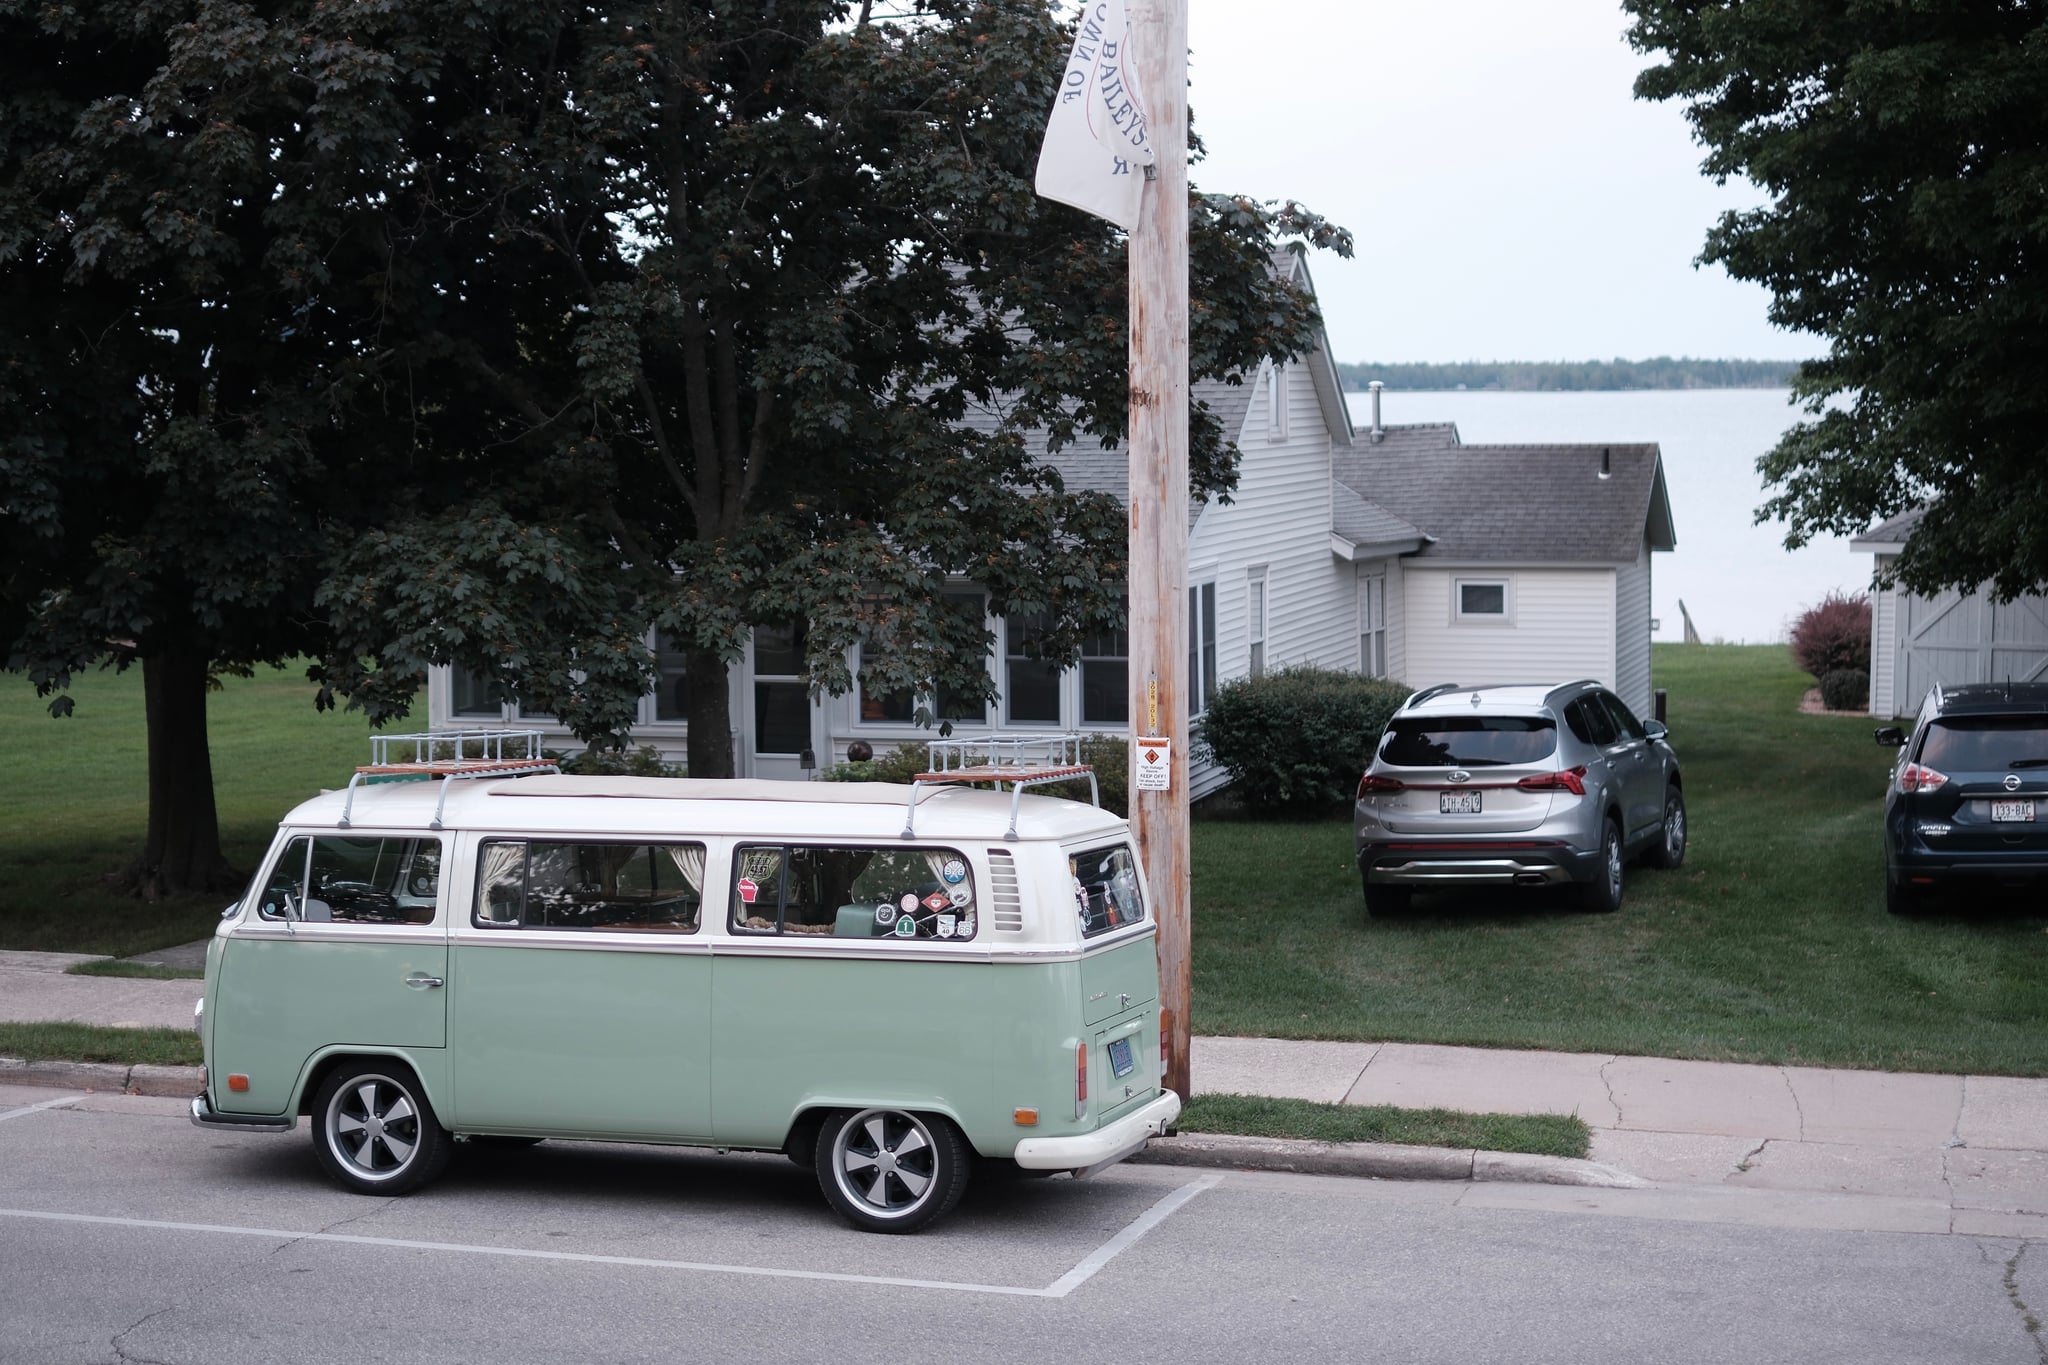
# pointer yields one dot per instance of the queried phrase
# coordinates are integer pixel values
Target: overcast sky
(1511, 198)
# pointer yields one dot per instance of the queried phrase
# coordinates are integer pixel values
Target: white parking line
(34, 1108)
(1058, 1289)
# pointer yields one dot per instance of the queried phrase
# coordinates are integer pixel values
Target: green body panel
(603, 1043)
(277, 1002)
(1115, 982)
(795, 1032)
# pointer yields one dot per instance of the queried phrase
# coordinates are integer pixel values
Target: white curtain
(500, 890)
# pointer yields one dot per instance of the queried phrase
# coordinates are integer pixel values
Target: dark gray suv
(1516, 785)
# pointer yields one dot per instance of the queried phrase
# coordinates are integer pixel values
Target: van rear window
(1467, 741)
(853, 891)
(1106, 889)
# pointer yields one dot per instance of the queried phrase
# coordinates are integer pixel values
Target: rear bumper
(1475, 863)
(204, 1116)
(1086, 1153)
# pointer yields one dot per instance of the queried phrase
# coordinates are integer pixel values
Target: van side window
(852, 891)
(1106, 889)
(616, 887)
(334, 879)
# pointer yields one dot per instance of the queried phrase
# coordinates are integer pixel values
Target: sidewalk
(1970, 1149)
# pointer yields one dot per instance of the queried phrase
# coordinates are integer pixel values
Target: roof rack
(1022, 761)
(448, 755)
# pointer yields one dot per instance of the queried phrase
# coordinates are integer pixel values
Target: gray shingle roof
(1893, 532)
(1530, 504)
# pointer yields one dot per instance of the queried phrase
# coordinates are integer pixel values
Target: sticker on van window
(885, 914)
(954, 871)
(959, 895)
(749, 889)
(937, 900)
(945, 926)
(908, 904)
(906, 927)
(966, 929)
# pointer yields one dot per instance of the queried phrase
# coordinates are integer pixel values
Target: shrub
(1297, 739)
(645, 761)
(1109, 755)
(1845, 689)
(1833, 635)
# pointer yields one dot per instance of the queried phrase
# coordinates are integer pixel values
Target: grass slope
(1770, 945)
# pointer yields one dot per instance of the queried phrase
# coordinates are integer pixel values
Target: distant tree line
(1663, 372)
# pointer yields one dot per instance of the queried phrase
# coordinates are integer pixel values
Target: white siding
(1632, 632)
(1562, 628)
(1884, 645)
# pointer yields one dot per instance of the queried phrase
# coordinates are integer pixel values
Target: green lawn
(74, 806)
(1259, 1116)
(1771, 944)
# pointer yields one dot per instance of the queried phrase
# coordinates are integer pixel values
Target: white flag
(1096, 144)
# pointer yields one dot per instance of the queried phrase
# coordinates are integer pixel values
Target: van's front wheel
(890, 1171)
(375, 1132)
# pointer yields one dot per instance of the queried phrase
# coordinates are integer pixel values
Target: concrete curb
(172, 1081)
(1380, 1161)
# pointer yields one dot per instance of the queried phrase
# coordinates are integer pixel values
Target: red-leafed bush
(1833, 635)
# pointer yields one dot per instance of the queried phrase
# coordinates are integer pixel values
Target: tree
(722, 297)
(1905, 153)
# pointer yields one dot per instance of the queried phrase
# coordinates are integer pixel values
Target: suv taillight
(1571, 780)
(1373, 782)
(1914, 778)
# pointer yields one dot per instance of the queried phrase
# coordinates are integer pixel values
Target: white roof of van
(672, 806)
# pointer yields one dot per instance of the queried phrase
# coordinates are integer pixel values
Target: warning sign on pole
(1152, 760)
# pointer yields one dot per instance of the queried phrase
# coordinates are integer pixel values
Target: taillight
(1373, 782)
(1571, 780)
(1081, 1080)
(1914, 778)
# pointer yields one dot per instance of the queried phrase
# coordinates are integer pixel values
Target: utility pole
(1159, 502)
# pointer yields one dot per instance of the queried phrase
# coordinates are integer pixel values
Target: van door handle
(419, 982)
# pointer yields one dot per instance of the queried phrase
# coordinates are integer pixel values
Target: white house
(1951, 638)
(1499, 563)
(1265, 590)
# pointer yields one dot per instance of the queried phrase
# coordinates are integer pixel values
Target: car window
(339, 879)
(1467, 741)
(1625, 721)
(853, 891)
(618, 887)
(1986, 744)
(1106, 889)
(1591, 723)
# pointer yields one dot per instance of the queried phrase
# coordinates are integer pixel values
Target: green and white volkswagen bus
(884, 982)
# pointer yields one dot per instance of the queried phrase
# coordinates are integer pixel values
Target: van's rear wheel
(885, 1170)
(374, 1131)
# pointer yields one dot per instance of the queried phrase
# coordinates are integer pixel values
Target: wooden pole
(1159, 501)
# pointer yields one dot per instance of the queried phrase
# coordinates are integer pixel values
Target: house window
(1372, 625)
(782, 698)
(470, 694)
(948, 704)
(1201, 647)
(1276, 404)
(1480, 599)
(1255, 618)
(672, 690)
(1031, 685)
(1106, 678)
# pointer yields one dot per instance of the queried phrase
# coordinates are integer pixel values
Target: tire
(1901, 899)
(1602, 895)
(1385, 902)
(1669, 850)
(885, 1170)
(374, 1131)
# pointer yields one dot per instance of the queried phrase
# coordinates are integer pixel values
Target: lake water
(1737, 578)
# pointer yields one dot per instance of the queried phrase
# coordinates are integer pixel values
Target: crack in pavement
(2027, 1317)
(1750, 1156)
(1362, 1070)
(1608, 1081)
(1797, 1107)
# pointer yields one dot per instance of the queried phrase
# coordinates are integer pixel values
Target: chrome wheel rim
(1613, 845)
(1674, 829)
(373, 1127)
(885, 1162)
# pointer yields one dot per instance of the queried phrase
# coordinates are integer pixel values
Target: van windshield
(1467, 741)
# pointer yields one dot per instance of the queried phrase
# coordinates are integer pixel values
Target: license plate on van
(1457, 803)
(2004, 811)
(1120, 1063)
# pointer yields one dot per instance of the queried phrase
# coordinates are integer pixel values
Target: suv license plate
(1120, 1058)
(2002, 811)
(1457, 803)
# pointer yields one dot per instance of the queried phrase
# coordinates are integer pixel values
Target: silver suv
(1516, 785)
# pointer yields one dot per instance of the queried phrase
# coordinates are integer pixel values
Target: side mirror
(1891, 736)
(1656, 729)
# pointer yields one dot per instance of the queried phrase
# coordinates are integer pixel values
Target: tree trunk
(182, 852)
(710, 716)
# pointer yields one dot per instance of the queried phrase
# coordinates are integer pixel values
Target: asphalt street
(128, 1235)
